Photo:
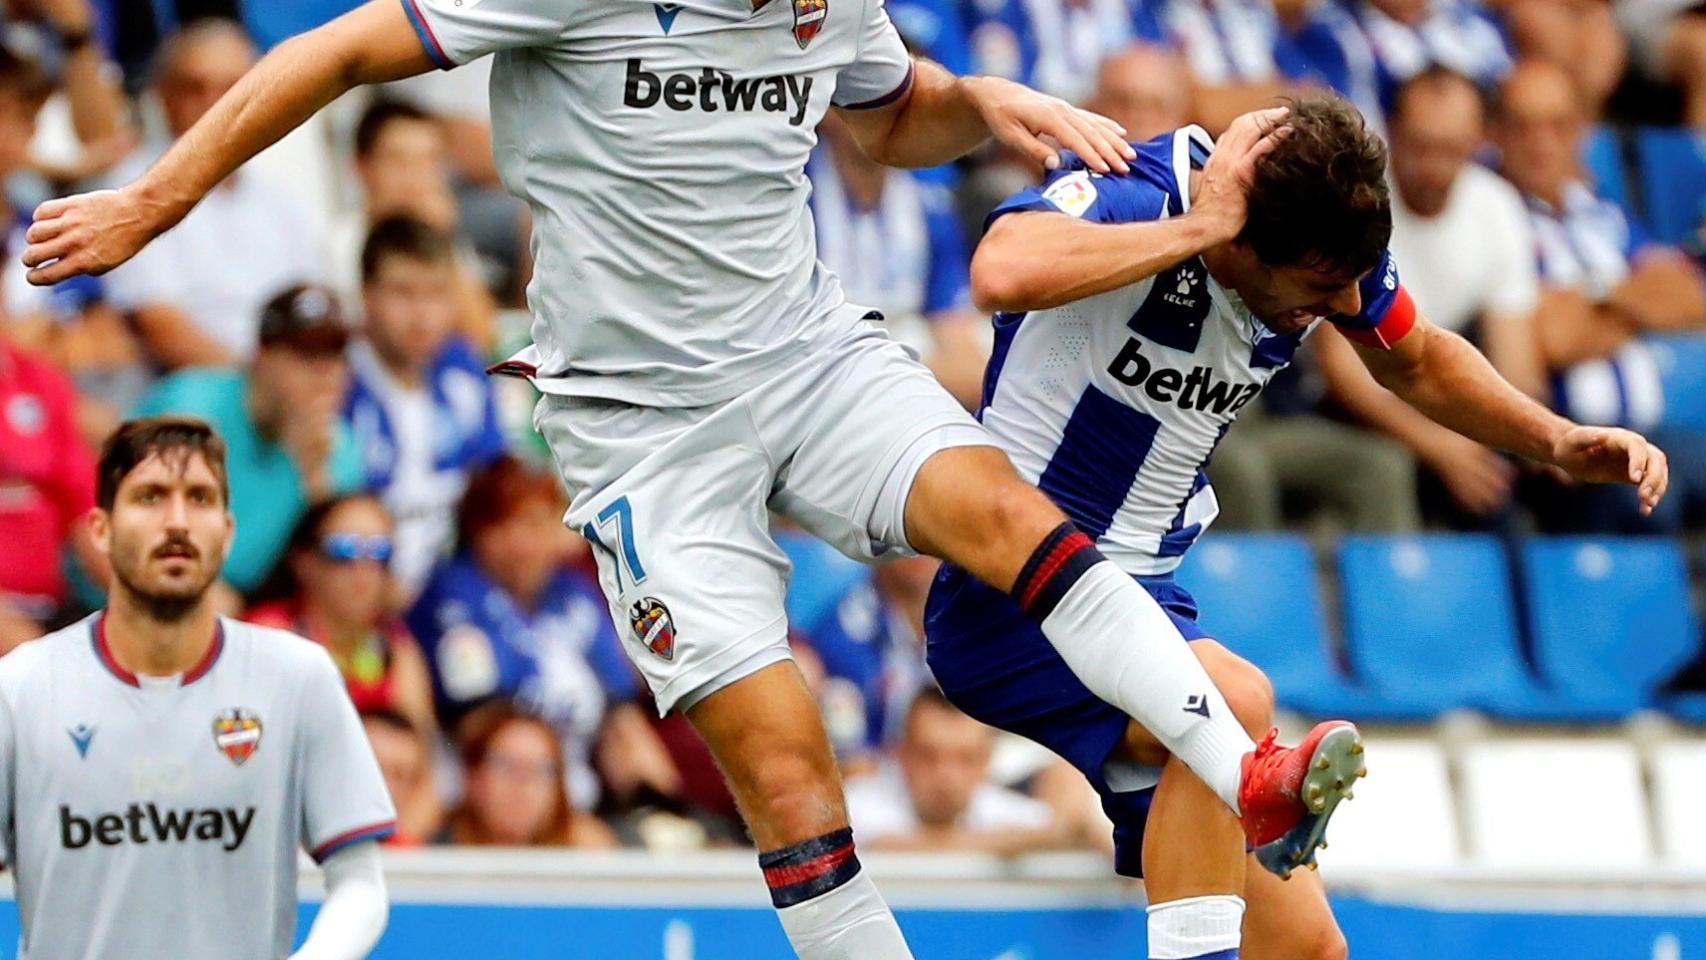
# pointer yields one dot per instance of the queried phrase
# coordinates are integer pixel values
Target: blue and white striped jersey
(1113, 404)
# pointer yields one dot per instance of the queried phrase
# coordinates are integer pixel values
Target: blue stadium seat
(1431, 618)
(1672, 164)
(1602, 155)
(1609, 617)
(1259, 594)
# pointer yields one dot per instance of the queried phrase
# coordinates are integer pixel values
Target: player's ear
(230, 536)
(99, 524)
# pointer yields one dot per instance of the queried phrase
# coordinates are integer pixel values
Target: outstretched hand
(1223, 192)
(89, 233)
(1612, 455)
(1027, 121)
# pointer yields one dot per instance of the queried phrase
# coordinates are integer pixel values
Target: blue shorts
(994, 663)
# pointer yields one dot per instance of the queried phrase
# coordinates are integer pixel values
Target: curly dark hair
(1320, 199)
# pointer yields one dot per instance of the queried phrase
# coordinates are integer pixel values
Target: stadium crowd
(332, 308)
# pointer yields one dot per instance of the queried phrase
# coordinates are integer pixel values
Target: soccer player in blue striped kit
(1129, 339)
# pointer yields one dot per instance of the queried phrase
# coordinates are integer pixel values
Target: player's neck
(148, 645)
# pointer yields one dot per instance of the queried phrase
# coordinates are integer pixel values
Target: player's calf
(767, 735)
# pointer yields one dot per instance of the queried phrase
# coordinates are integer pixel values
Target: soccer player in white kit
(161, 767)
(701, 368)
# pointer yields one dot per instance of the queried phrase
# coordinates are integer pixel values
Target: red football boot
(1287, 794)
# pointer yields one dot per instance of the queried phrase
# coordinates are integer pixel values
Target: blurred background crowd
(331, 309)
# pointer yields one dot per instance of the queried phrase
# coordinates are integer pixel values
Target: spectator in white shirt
(937, 794)
(195, 293)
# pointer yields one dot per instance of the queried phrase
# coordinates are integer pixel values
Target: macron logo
(81, 735)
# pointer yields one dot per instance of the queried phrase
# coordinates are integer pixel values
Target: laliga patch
(1072, 194)
(653, 626)
(237, 734)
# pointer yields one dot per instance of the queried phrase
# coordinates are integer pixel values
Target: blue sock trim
(810, 868)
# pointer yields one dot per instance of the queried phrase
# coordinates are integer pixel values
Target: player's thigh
(857, 426)
(767, 735)
(969, 506)
(674, 507)
(1288, 919)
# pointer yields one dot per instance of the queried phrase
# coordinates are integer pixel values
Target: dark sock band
(810, 868)
(1054, 567)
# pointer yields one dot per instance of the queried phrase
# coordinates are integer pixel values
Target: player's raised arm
(1087, 235)
(95, 232)
(1440, 374)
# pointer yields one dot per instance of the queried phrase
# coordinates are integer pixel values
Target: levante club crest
(808, 19)
(653, 626)
(237, 734)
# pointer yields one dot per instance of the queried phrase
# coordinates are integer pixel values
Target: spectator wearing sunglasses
(419, 402)
(340, 595)
(510, 616)
(286, 446)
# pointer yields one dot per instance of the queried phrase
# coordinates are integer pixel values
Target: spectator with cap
(1621, 320)
(510, 616)
(406, 760)
(195, 293)
(895, 242)
(420, 405)
(47, 484)
(338, 592)
(513, 795)
(286, 447)
(402, 161)
(937, 794)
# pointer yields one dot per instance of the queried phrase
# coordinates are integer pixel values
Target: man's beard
(162, 607)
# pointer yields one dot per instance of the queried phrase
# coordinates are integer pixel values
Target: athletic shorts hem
(736, 659)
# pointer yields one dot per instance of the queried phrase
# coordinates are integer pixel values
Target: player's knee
(1247, 690)
(1325, 943)
(788, 798)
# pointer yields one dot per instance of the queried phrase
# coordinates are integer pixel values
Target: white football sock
(850, 922)
(1127, 651)
(1196, 928)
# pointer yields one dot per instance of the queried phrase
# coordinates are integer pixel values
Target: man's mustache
(177, 545)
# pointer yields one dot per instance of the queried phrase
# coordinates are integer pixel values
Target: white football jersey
(161, 817)
(662, 149)
(1113, 404)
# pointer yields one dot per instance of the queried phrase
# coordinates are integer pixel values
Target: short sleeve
(344, 798)
(454, 32)
(1077, 192)
(947, 282)
(1387, 314)
(881, 71)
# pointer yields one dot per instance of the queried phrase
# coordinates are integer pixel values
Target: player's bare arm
(944, 117)
(1037, 260)
(94, 232)
(1440, 374)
